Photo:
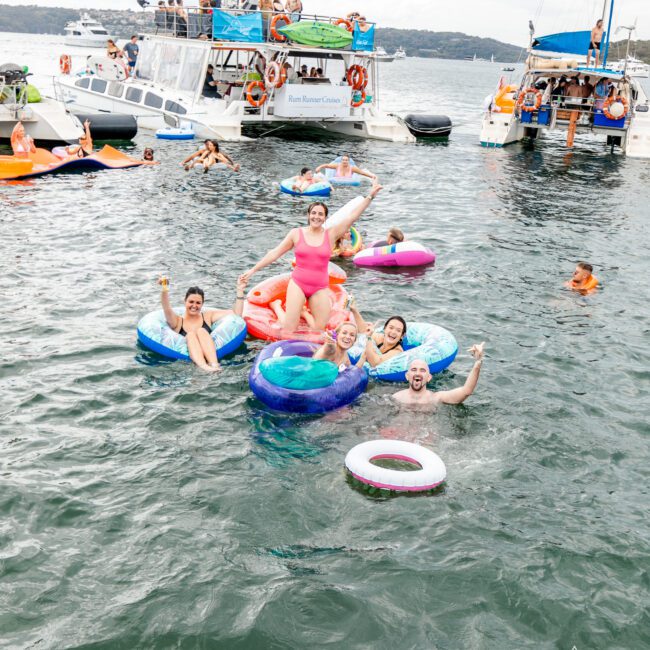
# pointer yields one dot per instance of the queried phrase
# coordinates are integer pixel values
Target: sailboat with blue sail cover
(559, 93)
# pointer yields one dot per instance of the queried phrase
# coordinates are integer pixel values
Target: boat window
(99, 31)
(76, 33)
(115, 89)
(169, 65)
(147, 57)
(173, 107)
(84, 82)
(155, 101)
(134, 94)
(192, 70)
(98, 85)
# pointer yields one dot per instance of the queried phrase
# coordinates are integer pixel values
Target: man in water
(582, 281)
(594, 43)
(418, 377)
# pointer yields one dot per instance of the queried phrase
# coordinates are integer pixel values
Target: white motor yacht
(632, 67)
(85, 32)
(399, 53)
(241, 96)
(45, 120)
(383, 56)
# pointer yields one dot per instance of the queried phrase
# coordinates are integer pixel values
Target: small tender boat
(85, 32)
(399, 53)
(172, 133)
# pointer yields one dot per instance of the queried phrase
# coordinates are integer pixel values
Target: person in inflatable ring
(381, 346)
(196, 325)
(394, 236)
(305, 180)
(418, 376)
(582, 281)
(345, 170)
(337, 345)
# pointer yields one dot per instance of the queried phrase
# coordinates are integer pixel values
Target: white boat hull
(46, 121)
(499, 129)
(85, 41)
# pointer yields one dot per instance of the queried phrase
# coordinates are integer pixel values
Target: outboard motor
(428, 126)
(110, 126)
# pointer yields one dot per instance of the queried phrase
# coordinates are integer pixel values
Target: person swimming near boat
(381, 346)
(198, 158)
(196, 325)
(583, 281)
(394, 236)
(594, 42)
(345, 170)
(310, 279)
(305, 180)
(418, 376)
(338, 344)
(21, 143)
(214, 157)
(147, 155)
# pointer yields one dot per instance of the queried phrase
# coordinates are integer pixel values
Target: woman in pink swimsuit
(309, 280)
(345, 170)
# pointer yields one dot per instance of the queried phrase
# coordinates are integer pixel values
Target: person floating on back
(582, 281)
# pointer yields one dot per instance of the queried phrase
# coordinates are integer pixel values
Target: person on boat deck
(304, 180)
(209, 84)
(181, 18)
(345, 170)
(338, 344)
(260, 64)
(196, 325)
(309, 280)
(395, 236)
(548, 91)
(200, 154)
(291, 73)
(132, 50)
(587, 89)
(594, 42)
(312, 73)
(582, 281)
(85, 146)
(304, 72)
(112, 51)
(418, 376)
(21, 143)
(601, 92)
(381, 346)
(294, 9)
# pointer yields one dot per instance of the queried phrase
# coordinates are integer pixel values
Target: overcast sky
(505, 20)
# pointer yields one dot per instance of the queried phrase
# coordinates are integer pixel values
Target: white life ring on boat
(432, 470)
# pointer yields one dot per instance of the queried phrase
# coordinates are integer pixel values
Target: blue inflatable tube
(347, 386)
(317, 189)
(433, 344)
(228, 334)
(330, 174)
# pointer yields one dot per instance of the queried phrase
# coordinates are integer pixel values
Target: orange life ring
(613, 100)
(65, 63)
(529, 108)
(249, 93)
(274, 21)
(357, 77)
(274, 75)
(361, 101)
(347, 23)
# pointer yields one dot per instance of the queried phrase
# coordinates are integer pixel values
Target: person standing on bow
(310, 280)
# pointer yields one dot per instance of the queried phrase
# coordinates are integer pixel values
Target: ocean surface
(145, 504)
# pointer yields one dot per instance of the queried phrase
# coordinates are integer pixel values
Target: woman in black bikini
(196, 325)
(85, 146)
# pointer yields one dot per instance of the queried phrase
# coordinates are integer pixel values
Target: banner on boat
(247, 27)
(319, 100)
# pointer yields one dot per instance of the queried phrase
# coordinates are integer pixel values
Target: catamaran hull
(47, 122)
(499, 129)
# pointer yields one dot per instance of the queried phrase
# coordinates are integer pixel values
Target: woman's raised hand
(246, 276)
(163, 281)
(241, 284)
(375, 189)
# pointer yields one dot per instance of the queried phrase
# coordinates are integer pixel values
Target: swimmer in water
(345, 170)
(582, 281)
(305, 180)
(394, 236)
(196, 325)
(338, 344)
(198, 158)
(418, 377)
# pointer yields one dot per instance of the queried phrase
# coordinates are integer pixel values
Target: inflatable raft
(405, 253)
(322, 188)
(43, 162)
(330, 174)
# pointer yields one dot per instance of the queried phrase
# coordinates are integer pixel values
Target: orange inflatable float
(504, 100)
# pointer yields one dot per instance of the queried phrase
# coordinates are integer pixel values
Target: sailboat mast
(609, 31)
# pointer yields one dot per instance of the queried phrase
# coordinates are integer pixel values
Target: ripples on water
(145, 504)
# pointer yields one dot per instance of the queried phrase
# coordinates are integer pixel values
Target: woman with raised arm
(309, 281)
(196, 325)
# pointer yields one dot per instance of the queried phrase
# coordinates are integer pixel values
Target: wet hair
(148, 152)
(304, 170)
(195, 291)
(215, 143)
(396, 233)
(585, 267)
(315, 204)
(401, 320)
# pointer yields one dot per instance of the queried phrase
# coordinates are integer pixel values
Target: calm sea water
(144, 504)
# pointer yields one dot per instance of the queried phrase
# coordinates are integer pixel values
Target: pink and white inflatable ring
(432, 470)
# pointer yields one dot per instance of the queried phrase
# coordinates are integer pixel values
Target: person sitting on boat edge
(418, 376)
(112, 51)
(583, 281)
(21, 143)
(345, 170)
(310, 278)
(338, 344)
(395, 236)
(196, 325)
(381, 346)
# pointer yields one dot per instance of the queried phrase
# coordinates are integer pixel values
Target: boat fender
(428, 126)
(110, 126)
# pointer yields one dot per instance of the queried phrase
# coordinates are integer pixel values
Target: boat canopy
(564, 42)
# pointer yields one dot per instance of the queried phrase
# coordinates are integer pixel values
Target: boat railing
(197, 22)
(560, 107)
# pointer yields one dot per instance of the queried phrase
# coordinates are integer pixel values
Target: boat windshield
(172, 64)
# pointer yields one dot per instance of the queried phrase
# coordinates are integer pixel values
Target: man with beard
(418, 376)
